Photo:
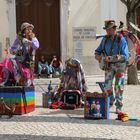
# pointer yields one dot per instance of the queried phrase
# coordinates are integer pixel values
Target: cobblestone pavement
(47, 124)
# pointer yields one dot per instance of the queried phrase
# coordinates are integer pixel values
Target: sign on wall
(78, 49)
(84, 33)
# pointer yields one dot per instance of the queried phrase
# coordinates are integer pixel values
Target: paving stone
(47, 124)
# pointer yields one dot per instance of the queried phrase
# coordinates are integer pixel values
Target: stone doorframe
(64, 17)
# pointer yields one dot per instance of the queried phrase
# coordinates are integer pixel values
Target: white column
(64, 15)
(7, 25)
(12, 21)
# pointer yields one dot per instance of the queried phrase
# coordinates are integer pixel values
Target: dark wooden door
(45, 16)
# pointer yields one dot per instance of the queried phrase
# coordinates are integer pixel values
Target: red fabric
(138, 51)
(68, 106)
(7, 64)
(30, 50)
(133, 37)
(25, 72)
(55, 105)
(119, 75)
(59, 104)
(1, 73)
(123, 116)
(56, 63)
(109, 91)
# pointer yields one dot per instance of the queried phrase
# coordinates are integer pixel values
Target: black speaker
(71, 97)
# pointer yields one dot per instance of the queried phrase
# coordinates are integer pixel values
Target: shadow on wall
(90, 65)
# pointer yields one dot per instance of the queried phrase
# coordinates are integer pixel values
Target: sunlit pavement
(47, 124)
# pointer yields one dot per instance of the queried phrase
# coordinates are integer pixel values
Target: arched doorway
(45, 16)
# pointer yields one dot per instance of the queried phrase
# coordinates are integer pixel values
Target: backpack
(133, 43)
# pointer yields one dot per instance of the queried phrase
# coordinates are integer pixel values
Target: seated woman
(74, 76)
(20, 68)
(43, 67)
(56, 66)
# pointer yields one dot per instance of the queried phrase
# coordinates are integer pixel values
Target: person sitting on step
(56, 66)
(43, 67)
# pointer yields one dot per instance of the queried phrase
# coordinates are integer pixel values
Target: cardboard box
(96, 106)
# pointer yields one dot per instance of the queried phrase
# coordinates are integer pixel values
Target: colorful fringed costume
(20, 68)
(74, 76)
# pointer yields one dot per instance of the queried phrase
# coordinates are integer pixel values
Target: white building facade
(78, 18)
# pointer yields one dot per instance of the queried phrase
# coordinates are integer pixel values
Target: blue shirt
(119, 47)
